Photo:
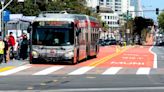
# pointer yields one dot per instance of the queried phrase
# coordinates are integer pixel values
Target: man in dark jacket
(24, 47)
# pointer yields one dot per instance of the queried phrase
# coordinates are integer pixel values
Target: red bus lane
(103, 52)
(136, 57)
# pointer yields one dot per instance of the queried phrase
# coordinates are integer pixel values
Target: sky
(152, 5)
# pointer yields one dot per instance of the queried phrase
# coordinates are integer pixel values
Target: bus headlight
(69, 54)
(35, 54)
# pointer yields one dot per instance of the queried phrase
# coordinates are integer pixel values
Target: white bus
(63, 37)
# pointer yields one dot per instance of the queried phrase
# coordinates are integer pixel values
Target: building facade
(92, 3)
(119, 7)
(138, 7)
(111, 19)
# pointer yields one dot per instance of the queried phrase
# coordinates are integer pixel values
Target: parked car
(107, 42)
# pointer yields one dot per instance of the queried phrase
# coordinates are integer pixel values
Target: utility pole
(1, 19)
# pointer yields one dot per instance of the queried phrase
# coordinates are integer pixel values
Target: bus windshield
(49, 36)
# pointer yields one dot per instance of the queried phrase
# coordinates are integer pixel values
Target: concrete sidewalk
(14, 63)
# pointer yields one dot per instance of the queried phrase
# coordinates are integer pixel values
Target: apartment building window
(101, 3)
(109, 0)
(105, 17)
(117, 3)
(117, 6)
(118, 0)
(101, 0)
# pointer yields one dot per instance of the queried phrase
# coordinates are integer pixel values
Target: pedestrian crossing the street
(69, 70)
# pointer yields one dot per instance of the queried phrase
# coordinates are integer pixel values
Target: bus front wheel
(34, 61)
(75, 59)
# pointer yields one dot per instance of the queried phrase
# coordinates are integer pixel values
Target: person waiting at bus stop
(2, 46)
(24, 47)
(12, 43)
(6, 52)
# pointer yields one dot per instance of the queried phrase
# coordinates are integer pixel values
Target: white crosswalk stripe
(112, 71)
(143, 71)
(69, 70)
(81, 71)
(49, 70)
(15, 70)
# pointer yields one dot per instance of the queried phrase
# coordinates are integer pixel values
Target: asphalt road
(159, 50)
(84, 83)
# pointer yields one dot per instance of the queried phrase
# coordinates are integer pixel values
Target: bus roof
(62, 17)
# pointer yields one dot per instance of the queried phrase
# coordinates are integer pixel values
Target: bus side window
(78, 31)
(29, 29)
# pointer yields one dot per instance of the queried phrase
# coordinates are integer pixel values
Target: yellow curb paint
(6, 68)
(110, 57)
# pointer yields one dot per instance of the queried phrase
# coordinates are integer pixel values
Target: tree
(71, 6)
(140, 25)
(161, 20)
(27, 8)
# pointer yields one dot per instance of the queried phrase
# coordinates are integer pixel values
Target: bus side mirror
(29, 29)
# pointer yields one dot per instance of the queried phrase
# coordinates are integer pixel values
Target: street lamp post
(1, 19)
(1, 14)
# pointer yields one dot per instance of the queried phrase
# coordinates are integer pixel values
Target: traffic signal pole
(126, 28)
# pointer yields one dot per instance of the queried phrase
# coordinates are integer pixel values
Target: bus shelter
(17, 26)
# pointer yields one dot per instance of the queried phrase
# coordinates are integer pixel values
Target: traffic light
(97, 9)
(157, 11)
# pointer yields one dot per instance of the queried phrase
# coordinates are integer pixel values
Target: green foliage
(32, 8)
(140, 23)
(29, 7)
(105, 26)
(138, 26)
(161, 20)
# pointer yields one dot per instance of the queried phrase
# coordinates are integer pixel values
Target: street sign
(6, 15)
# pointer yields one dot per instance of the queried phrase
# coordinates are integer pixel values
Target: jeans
(11, 52)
